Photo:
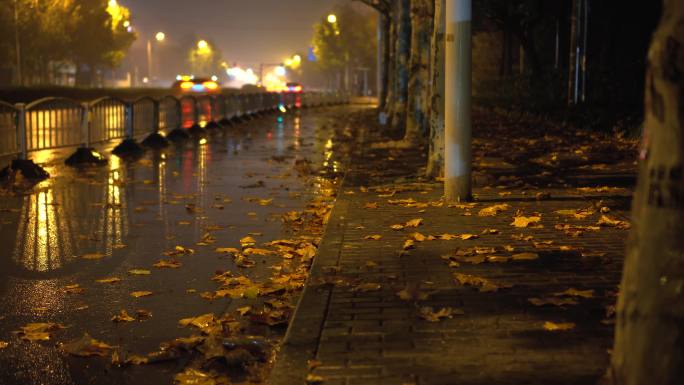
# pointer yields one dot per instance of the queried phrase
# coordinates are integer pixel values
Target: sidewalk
(466, 297)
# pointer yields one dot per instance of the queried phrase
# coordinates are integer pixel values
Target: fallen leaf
(194, 377)
(576, 293)
(87, 346)
(428, 313)
(482, 284)
(138, 294)
(243, 310)
(605, 220)
(525, 257)
(199, 322)
(366, 287)
(139, 272)
(375, 237)
(523, 222)
(552, 326)
(314, 379)
(409, 244)
(167, 264)
(38, 331)
(73, 289)
(123, 316)
(143, 314)
(467, 237)
(371, 205)
(247, 241)
(493, 210)
(3, 345)
(414, 222)
(93, 256)
(227, 250)
(109, 280)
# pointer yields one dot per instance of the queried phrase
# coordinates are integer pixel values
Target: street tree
(649, 334)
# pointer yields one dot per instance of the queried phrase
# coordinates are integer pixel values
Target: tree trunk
(402, 70)
(649, 334)
(572, 64)
(391, 66)
(385, 22)
(419, 67)
(435, 166)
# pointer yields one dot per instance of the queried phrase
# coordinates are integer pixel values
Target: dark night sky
(246, 31)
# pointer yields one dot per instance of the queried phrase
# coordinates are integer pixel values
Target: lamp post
(159, 37)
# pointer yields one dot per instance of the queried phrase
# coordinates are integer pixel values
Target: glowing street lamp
(296, 60)
(332, 18)
(160, 36)
(202, 45)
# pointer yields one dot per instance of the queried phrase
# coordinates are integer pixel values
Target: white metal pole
(458, 79)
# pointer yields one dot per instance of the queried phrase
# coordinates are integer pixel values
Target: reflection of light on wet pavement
(114, 217)
(44, 238)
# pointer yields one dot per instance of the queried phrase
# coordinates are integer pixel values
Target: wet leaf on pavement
(168, 264)
(493, 210)
(606, 220)
(109, 280)
(200, 322)
(3, 345)
(552, 326)
(429, 314)
(576, 293)
(227, 250)
(123, 316)
(194, 377)
(314, 379)
(73, 289)
(139, 294)
(375, 237)
(139, 272)
(482, 284)
(87, 346)
(93, 256)
(371, 205)
(38, 331)
(525, 257)
(523, 222)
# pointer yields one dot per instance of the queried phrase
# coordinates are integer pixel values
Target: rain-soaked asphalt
(131, 213)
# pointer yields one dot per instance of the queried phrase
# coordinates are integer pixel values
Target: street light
(332, 18)
(202, 45)
(160, 36)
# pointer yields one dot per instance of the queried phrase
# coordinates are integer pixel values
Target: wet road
(125, 216)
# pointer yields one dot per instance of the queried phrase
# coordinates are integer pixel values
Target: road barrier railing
(52, 123)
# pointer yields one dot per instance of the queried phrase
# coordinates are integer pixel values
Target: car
(295, 88)
(196, 85)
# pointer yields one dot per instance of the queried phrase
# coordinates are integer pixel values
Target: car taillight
(187, 85)
(210, 85)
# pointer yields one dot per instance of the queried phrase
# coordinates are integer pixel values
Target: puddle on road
(82, 226)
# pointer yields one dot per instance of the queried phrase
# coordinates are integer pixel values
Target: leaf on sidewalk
(523, 222)
(109, 280)
(525, 257)
(139, 272)
(200, 322)
(139, 294)
(93, 256)
(409, 244)
(371, 205)
(367, 287)
(123, 316)
(3, 345)
(552, 326)
(247, 241)
(414, 222)
(577, 214)
(467, 237)
(605, 220)
(493, 210)
(375, 237)
(194, 377)
(38, 331)
(427, 313)
(87, 346)
(168, 264)
(482, 284)
(73, 289)
(572, 292)
(227, 250)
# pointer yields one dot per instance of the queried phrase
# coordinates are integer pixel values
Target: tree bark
(435, 166)
(649, 334)
(419, 74)
(384, 20)
(402, 64)
(572, 64)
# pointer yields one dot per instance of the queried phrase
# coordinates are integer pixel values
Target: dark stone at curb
(156, 141)
(27, 168)
(128, 148)
(212, 125)
(178, 135)
(196, 130)
(85, 156)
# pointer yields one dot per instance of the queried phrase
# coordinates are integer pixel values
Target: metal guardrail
(51, 123)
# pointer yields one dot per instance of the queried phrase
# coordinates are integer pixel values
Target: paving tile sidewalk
(351, 327)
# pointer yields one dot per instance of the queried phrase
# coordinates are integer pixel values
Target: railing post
(128, 116)
(155, 116)
(85, 125)
(21, 130)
